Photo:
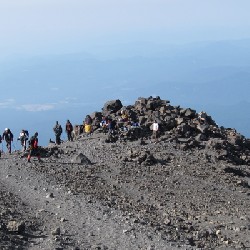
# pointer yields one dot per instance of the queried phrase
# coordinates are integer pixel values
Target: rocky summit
(118, 187)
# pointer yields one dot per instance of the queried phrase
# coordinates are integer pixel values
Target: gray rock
(16, 226)
(81, 159)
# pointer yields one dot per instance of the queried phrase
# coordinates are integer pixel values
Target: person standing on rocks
(34, 151)
(155, 128)
(8, 137)
(58, 131)
(69, 129)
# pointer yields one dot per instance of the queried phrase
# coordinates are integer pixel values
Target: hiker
(8, 137)
(23, 137)
(124, 116)
(88, 120)
(111, 126)
(0, 149)
(58, 131)
(34, 151)
(69, 129)
(155, 128)
(104, 124)
(202, 117)
(88, 125)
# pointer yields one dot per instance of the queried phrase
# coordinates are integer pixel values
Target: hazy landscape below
(209, 76)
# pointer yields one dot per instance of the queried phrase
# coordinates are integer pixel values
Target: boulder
(81, 159)
(112, 106)
(16, 226)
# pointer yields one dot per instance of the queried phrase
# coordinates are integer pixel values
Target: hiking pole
(14, 145)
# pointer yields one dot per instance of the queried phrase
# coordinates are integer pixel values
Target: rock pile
(184, 126)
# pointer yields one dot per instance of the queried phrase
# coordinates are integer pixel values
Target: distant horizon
(71, 27)
(60, 59)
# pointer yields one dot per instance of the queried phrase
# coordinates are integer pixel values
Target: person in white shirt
(155, 128)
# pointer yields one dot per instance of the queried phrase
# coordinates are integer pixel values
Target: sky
(30, 27)
(33, 29)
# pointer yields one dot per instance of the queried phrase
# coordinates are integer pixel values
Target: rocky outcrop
(185, 126)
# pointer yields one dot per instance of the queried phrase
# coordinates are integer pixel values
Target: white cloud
(32, 107)
(37, 107)
(7, 103)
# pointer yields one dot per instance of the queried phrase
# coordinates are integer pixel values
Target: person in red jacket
(69, 130)
(34, 151)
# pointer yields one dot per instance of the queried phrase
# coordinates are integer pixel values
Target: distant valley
(211, 76)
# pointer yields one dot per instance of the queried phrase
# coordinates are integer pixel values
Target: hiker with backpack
(58, 131)
(23, 137)
(33, 147)
(69, 130)
(8, 137)
(1, 143)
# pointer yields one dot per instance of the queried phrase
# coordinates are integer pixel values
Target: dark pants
(8, 146)
(58, 139)
(69, 134)
(34, 152)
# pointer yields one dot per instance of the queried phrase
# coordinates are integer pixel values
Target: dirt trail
(84, 223)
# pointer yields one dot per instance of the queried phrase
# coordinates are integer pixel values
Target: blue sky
(39, 38)
(63, 26)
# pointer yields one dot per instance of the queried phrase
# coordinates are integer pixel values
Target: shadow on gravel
(163, 162)
(237, 172)
(31, 236)
(68, 163)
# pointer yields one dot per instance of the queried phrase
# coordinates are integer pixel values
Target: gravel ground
(89, 194)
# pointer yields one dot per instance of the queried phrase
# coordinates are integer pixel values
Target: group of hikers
(107, 125)
(7, 136)
(32, 143)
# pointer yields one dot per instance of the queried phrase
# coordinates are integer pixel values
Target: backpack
(8, 136)
(26, 133)
(58, 129)
(32, 142)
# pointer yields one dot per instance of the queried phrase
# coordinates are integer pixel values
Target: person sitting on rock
(104, 124)
(202, 116)
(124, 116)
(33, 148)
(111, 126)
(88, 125)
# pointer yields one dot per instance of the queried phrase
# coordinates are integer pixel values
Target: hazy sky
(46, 27)
(62, 26)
